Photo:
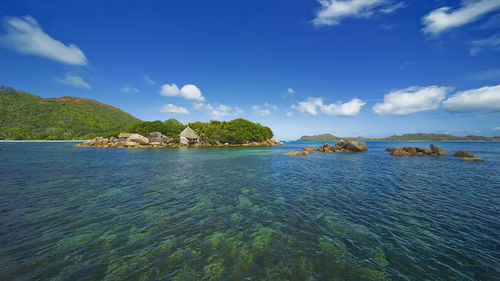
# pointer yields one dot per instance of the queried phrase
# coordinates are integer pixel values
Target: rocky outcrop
(463, 153)
(399, 152)
(297, 153)
(416, 151)
(472, 159)
(138, 139)
(341, 146)
(437, 150)
(157, 140)
(157, 137)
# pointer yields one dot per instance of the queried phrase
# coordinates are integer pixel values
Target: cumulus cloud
(314, 106)
(411, 100)
(219, 111)
(490, 43)
(189, 92)
(130, 90)
(333, 11)
(289, 114)
(485, 99)
(73, 81)
(26, 36)
(446, 18)
(172, 109)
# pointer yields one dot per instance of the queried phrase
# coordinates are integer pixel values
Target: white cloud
(411, 100)
(290, 91)
(444, 18)
(497, 129)
(265, 110)
(172, 109)
(485, 99)
(490, 43)
(148, 79)
(189, 92)
(333, 11)
(314, 106)
(130, 90)
(219, 111)
(26, 36)
(170, 90)
(262, 112)
(392, 8)
(289, 114)
(73, 81)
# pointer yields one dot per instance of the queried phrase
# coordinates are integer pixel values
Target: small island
(172, 133)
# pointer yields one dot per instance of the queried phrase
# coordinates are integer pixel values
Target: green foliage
(323, 137)
(27, 116)
(171, 128)
(237, 131)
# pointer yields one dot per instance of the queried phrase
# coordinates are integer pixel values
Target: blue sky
(355, 67)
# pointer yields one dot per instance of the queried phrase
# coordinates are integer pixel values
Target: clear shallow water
(71, 213)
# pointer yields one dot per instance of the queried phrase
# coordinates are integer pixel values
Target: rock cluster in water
(467, 156)
(417, 151)
(341, 146)
(157, 140)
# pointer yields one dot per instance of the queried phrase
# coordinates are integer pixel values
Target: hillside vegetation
(27, 116)
(237, 131)
(322, 137)
(405, 137)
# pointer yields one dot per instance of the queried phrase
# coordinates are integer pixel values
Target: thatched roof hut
(189, 134)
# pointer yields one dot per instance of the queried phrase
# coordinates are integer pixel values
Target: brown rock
(437, 150)
(399, 152)
(390, 149)
(411, 150)
(463, 153)
(309, 148)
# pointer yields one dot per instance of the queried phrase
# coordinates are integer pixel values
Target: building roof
(189, 133)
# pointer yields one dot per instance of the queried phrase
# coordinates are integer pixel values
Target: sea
(248, 213)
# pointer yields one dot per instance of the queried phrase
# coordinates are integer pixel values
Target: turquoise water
(71, 213)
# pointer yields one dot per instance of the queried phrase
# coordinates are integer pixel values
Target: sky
(370, 68)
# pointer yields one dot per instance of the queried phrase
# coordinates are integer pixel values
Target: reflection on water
(247, 214)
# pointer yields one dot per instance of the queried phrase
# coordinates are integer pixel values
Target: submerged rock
(463, 153)
(472, 159)
(299, 153)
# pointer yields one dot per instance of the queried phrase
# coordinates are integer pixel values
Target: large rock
(390, 149)
(309, 148)
(138, 139)
(356, 146)
(437, 150)
(113, 139)
(297, 153)
(411, 150)
(463, 153)
(398, 151)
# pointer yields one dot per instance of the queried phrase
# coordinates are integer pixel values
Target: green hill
(405, 137)
(27, 116)
(434, 137)
(323, 137)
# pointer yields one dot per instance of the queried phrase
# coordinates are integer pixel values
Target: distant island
(405, 137)
(322, 137)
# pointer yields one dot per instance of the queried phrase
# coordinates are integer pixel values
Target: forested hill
(322, 137)
(27, 116)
